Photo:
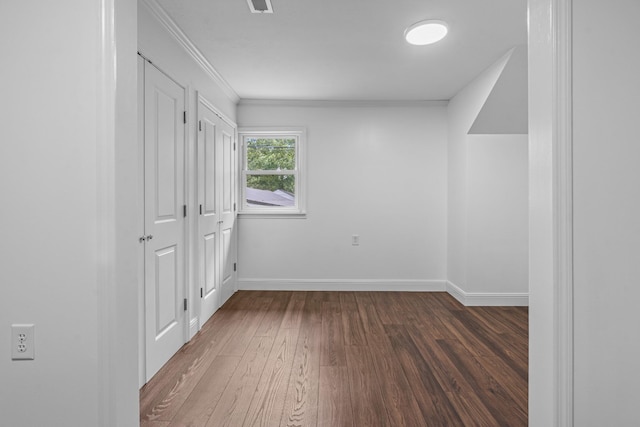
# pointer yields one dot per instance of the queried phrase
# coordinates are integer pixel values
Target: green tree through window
(271, 154)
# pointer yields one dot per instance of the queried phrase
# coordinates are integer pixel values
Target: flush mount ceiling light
(426, 32)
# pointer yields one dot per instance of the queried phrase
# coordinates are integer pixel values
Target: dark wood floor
(346, 359)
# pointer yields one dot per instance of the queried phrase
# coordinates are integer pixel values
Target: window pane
(271, 153)
(270, 190)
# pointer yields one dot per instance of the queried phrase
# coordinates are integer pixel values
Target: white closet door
(228, 235)
(164, 221)
(209, 210)
(217, 208)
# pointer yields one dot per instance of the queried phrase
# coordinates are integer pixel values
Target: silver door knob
(149, 237)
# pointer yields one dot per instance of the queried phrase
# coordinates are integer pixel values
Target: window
(273, 175)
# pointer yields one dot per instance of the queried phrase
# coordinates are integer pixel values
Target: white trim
(563, 210)
(194, 327)
(299, 172)
(142, 356)
(106, 216)
(200, 98)
(470, 299)
(188, 219)
(340, 103)
(272, 130)
(456, 292)
(271, 215)
(400, 285)
(169, 24)
(383, 285)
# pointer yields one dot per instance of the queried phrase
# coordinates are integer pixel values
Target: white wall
(121, 384)
(58, 269)
(497, 222)
(375, 171)
(487, 203)
(158, 44)
(606, 107)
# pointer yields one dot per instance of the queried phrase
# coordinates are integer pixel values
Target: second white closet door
(216, 198)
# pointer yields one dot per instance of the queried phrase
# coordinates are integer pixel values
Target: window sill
(272, 215)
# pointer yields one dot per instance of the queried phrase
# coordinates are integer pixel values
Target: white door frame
(553, 14)
(116, 302)
(550, 214)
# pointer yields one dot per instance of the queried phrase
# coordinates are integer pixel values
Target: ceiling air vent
(260, 6)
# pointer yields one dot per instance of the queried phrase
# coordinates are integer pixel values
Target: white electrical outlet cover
(22, 342)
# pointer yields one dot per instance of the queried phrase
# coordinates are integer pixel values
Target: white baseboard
(194, 325)
(403, 285)
(487, 298)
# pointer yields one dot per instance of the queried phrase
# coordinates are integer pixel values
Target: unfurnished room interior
(337, 213)
(334, 179)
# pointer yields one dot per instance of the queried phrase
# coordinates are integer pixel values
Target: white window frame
(299, 172)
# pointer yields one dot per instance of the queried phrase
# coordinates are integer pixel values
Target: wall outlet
(355, 240)
(22, 342)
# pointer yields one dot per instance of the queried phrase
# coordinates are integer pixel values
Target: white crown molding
(209, 105)
(470, 299)
(401, 285)
(169, 24)
(340, 103)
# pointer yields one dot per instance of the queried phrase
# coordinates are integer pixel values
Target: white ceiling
(349, 49)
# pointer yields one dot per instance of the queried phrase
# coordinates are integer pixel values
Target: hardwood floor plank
(367, 403)
(458, 330)
(446, 301)
(497, 320)
(147, 423)
(388, 311)
(232, 407)
(332, 339)
(490, 342)
(448, 376)
(510, 380)
(293, 314)
(371, 322)
(520, 315)
(434, 313)
(430, 396)
(301, 402)
(247, 328)
(162, 397)
(275, 313)
(400, 402)
(500, 403)
(268, 399)
(334, 398)
(472, 411)
(313, 307)
(351, 321)
(197, 409)
(488, 332)
(403, 303)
